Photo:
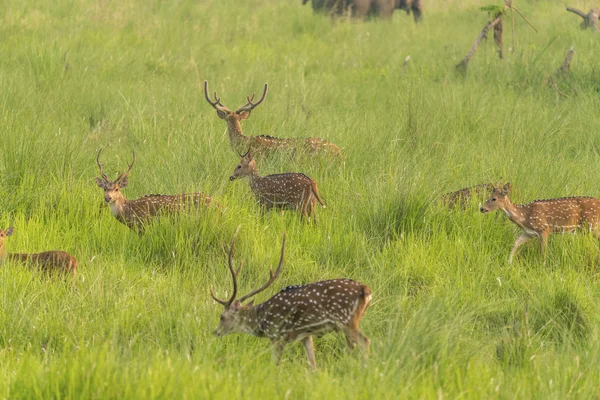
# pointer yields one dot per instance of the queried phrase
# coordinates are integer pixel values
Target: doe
(540, 218)
(48, 261)
(290, 189)
(297, 312)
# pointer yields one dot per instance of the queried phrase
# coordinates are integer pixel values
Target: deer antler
(234, 274)
(100, 166)
(217, 105)
(247, 152)
(250, 105)
(124, 174)
(272, 277)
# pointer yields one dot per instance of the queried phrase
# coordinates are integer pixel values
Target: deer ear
(506, 189)
(250, 157)
(123, 182)
(244, 114)
(250, 303)
(9, 231)
(222, 114)
(100, 182)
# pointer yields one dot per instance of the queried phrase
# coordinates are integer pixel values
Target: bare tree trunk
(498, 29)
(462, 66)
(590, 20)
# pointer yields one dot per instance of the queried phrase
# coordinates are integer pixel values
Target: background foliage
(449, 317)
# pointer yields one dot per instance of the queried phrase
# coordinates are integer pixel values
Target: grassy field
(449, 318)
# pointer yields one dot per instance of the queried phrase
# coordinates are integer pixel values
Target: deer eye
(494, 199)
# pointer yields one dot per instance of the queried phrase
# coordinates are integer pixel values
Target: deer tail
(315, 191)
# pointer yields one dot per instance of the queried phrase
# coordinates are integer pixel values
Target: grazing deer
(291, 189)
(48, 261)
(540, 218)
(462, 197)
(135, 213)
(297, 312)
(263, 143)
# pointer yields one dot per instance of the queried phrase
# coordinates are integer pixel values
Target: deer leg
(543, 244)
(310, 352)
(277, 351)
(524, 238)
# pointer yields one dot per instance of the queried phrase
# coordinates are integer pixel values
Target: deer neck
(249, 318)
(238, 140)
(117, 207)
(254, 178)
(2, 252)
(516, 213)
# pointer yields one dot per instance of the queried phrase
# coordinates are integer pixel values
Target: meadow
(450, 318)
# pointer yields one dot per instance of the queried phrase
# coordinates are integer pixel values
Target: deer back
(566, 213)
(289, 188)
(48, 261)
(312, 309)
(138, 210)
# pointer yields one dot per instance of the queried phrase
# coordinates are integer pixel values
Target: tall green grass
(449, 318)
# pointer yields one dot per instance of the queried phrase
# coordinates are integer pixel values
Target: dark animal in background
(135, 213)
(263, 143)
(369, 8)
(297, 312)
(540, 218)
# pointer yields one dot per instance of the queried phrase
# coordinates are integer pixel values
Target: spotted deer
(263, 144)
(56, 261)
(135, 213)
(297, 312)
(461, 198)
(290, 189)
(540, 218)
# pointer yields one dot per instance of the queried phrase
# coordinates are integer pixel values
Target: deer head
(247, 166)
(497, 200)
(112, 189)
(232, 319)
(241, 113)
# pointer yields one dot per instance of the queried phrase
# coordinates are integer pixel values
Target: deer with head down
(462, 197)
(297, 313)
(540, 218)
(54, 261)
(291, 189)
(135, 213)
(263, 144)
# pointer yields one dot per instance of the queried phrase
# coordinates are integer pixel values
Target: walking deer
(263, 144)
(135, 213)
(540, 218)
(298, 312)
(290, 189)
(48, 261)
(461, 198)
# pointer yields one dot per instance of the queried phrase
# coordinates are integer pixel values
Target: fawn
(540, 218)
(298, 312)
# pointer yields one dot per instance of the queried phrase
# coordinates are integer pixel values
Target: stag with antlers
(54, 261)
(297, 312)
(135, 213)
(263, 144)
(291, 189)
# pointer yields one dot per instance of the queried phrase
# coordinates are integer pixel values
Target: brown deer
(298, 312)
(540, 218)
(290, 189)
(48, 261)
(461, 198)
(136, 213)
(263, 144)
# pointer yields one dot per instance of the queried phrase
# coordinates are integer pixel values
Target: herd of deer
(297, 313)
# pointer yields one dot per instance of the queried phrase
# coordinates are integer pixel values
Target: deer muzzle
(232, 178)
(484, 209)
